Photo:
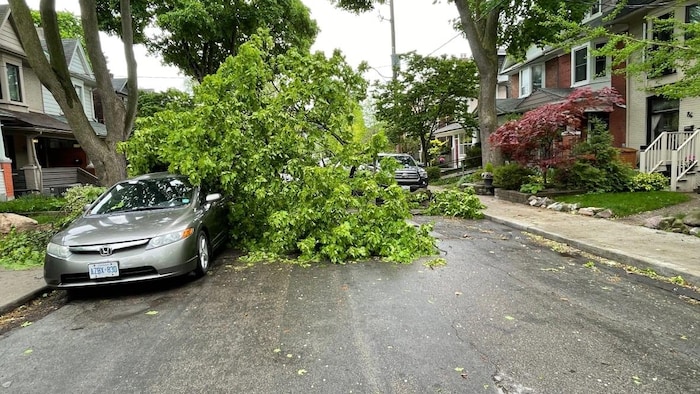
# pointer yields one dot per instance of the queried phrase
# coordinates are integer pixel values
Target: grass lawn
(628, 203)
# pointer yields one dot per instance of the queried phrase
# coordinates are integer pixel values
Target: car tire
(203, 255)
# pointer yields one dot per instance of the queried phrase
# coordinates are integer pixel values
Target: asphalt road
(504, 315)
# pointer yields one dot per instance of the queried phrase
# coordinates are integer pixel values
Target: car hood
(128, 226)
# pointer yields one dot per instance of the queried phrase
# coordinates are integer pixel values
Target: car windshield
(139, 195)
(405, 160)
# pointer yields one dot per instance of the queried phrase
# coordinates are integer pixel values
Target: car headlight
(167, 239)
(422, 172)
(58, 251)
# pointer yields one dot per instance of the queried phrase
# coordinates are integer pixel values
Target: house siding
(9, 40)
(689, 111)
(33, 95)
(51, 107)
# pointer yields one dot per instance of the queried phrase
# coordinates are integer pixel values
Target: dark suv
(410, 175)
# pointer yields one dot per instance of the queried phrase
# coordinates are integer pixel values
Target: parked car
(410, 175)
(149, 227)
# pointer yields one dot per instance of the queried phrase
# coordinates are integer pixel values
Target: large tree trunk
(481, 29)
(110, 166)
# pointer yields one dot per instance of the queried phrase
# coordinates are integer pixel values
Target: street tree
(258, 131)
(673, 44)
(196, 36)
(68, 25)
(152, 102)
(492, 24)
(54, 74)
(426, 92)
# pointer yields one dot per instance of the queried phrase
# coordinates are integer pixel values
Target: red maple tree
(536, 138)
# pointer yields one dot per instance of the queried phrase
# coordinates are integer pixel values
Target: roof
(507, 106)
(43, 123)
(120, 85)
(542, 97)
(32, 120)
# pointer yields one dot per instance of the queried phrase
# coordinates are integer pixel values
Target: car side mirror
(213, 197)
(86, 207)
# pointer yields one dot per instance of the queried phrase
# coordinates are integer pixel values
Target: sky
(420, 26)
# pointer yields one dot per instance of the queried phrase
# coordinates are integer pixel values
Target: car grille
(123, 274)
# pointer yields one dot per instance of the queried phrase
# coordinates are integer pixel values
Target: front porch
(675, 154)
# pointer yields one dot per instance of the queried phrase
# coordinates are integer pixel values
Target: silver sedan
(149, 227)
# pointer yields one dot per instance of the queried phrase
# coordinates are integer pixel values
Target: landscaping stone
(653, 222)
(604, 214)
(19, 222)
(587, 211)
(692, 219)
(694, 231)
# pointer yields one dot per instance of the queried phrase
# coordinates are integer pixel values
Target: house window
(580, 64)
(601, 62)
(79, 92)
(525, 82)
(14, 82)
(531, 79)
(537, 71)
(663, 115)
(596, 9)
(692, 15)
(662, 32)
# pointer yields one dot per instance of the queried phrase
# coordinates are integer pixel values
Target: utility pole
(394, 57)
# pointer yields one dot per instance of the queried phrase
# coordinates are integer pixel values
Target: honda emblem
(105, 251)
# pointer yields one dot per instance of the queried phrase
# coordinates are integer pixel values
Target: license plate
(103, 270)
(406, 187)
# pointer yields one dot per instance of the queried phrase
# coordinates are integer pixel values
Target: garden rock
(604, 214)
(19, 222)
(694, 231)
(653, 222)
(692, 219)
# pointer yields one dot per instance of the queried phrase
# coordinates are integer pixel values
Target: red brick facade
(7, 177)
(514, 85)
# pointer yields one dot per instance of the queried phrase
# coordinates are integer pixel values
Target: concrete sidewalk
(666, 253)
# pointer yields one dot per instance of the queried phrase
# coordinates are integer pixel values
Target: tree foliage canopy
(152, 102)
(197, 36)
(258, 130)
(427, 91)
(68, 25)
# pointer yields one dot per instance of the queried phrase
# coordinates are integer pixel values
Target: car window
(405, 160)
(146, 194)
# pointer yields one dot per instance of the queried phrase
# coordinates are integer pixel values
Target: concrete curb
(641, 262)
(12, 305)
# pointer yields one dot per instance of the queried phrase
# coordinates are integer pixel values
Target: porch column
(6, 186)
(32, 171)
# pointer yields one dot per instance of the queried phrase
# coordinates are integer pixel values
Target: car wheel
(203, 255)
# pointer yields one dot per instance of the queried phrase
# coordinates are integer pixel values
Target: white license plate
(406, 187)
(103, 270)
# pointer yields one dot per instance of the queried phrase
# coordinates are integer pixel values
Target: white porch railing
(659, 152)
(679, 149)
(684, 158)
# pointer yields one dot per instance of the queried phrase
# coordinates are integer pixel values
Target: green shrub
(32, 203)
(76, 198)
(511, 176)
(23, 250)
(433, 173)
(598, 167)
(642, 182)
(464, 204)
